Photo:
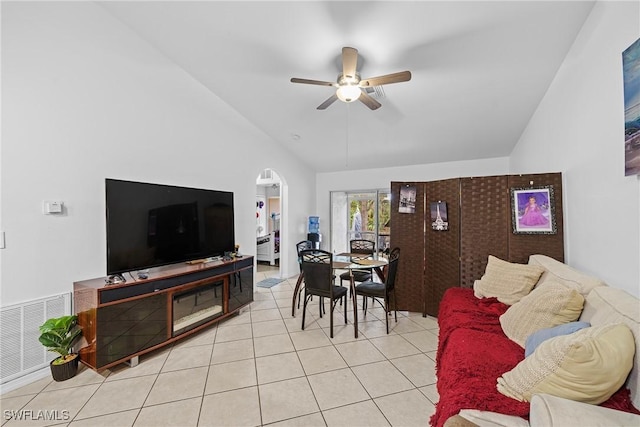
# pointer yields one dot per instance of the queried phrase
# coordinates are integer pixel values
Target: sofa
(503, 360)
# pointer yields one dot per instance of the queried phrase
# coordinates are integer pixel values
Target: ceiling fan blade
(402, 76)
(312, 82)
(349, 62)
(369, 101)
(333, 98)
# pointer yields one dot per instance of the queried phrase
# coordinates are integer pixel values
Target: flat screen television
(149, 225)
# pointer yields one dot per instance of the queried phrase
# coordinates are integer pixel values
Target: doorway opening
(360, 215)
(269, 236)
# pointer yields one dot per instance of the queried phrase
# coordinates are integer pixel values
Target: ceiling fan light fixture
(350, 87)
(348, 93)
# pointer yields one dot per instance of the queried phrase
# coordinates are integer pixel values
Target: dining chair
(317, 267)
(302, 246)
(364, 247)
(381, 292)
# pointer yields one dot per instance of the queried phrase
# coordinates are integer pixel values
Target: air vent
(266, 174)
(21, 351)
(376, 92)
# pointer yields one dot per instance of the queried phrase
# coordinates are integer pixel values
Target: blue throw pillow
(536, 338)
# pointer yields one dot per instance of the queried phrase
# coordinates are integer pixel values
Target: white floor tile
(231, 376)
(232, 408)
(359, 352)
(177, 385)
(277, 400)
(321, 359)
(182, 413)
(337, 388)
(358, 414)
(382, 378)
(278, 367)
(260, 368)
(408, 409)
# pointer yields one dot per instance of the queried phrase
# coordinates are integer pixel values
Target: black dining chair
(317, 267)
(302, 246)
(381, 292)
(366, 248)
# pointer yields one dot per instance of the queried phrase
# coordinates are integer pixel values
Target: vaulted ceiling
(479, 70)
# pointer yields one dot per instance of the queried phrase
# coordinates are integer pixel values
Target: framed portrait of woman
(533, 210)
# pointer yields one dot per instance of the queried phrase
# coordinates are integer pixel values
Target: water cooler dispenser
(314, 235)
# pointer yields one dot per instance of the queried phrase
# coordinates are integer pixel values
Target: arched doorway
(269, 221)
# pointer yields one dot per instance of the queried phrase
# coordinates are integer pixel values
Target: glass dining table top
(348, 261)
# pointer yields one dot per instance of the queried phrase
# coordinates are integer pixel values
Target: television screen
(149, 225)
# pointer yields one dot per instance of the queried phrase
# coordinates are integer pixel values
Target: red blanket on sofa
(473, 352)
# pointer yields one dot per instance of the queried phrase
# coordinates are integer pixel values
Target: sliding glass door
(360, 215)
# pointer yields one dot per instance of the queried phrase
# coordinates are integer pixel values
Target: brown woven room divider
(407, 233)
(480, 224)
(442, 265)
(484, 224)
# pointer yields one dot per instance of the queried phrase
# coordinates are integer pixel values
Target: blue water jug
(314, 224)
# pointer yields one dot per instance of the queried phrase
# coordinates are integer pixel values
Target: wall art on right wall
(631, 71)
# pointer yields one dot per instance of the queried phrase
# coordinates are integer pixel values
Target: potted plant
(58, 335)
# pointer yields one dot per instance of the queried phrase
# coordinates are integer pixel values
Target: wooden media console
(122, 321)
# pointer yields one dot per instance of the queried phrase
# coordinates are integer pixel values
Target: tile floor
(256, 369)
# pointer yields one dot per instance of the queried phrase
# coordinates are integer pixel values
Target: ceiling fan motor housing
(348, 80)
(348, 89)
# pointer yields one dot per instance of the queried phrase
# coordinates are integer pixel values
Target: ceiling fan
(350, 87)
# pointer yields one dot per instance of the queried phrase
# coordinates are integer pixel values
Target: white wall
(578, 129)
(84, 98)
(372, 179)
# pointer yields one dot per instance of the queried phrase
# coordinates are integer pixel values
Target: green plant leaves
(58, 334)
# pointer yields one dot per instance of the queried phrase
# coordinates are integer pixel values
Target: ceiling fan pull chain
(346, 155)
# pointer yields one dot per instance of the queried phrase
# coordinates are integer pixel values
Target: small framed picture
(533, 210)
(439, 218)
(407, 203)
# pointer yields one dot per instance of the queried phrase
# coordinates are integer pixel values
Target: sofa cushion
(588, 366)
(559, 272)
(605, 305)
(507, 281)
(549, 410)
(536, 338)
(548, 305)
(490, 419)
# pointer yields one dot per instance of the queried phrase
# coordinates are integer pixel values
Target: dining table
(349, 261)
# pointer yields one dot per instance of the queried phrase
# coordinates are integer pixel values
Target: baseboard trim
(25, 380)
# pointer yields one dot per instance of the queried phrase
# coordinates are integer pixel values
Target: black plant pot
(66, 370)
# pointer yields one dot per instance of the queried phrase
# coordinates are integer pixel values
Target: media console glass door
(241, 288)
(197, 306)
(129, 327)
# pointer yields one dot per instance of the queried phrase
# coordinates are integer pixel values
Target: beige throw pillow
(507, 281)
(550, 304)
(586, 366)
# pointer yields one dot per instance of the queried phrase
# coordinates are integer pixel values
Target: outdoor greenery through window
(360, 215)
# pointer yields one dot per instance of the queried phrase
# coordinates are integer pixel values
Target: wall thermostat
(52, 207)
